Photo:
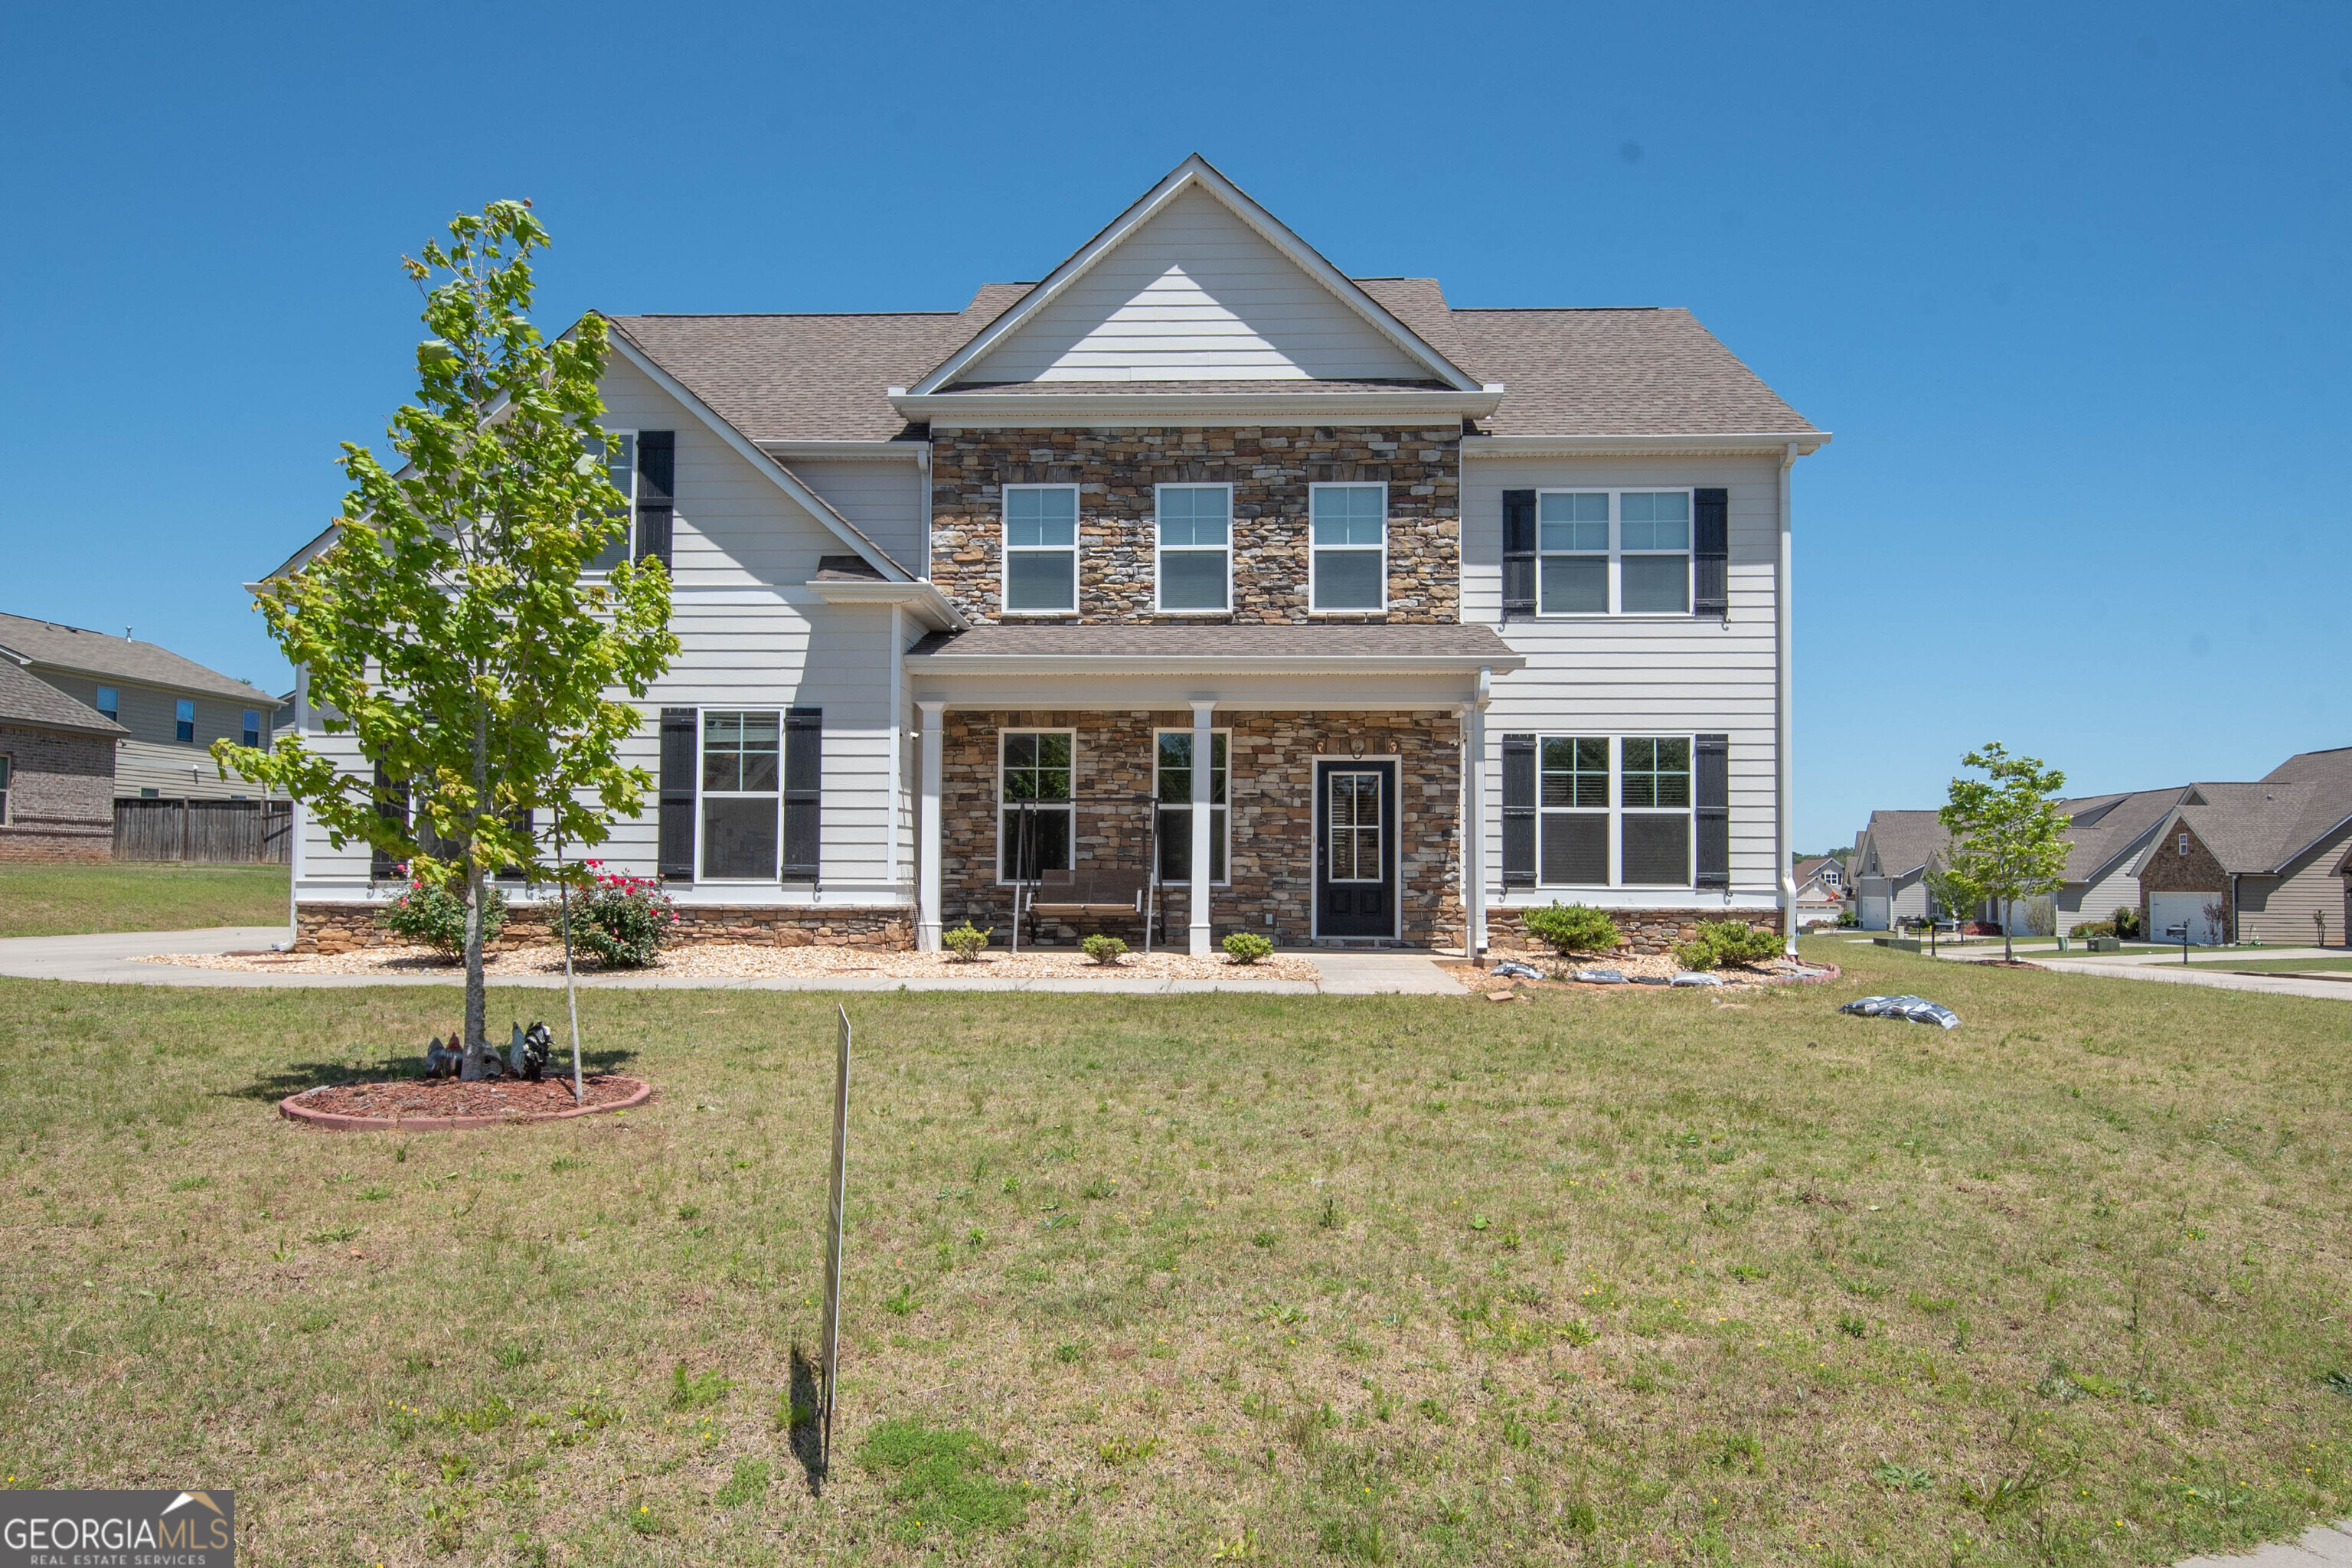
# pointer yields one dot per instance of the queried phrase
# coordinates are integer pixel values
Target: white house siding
(1196, 294)
(751, 634)
(887, 498)
(1640, 675)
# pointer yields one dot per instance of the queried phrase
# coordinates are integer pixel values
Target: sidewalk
(2320, 1545)
(2205, 967)
(109, 959)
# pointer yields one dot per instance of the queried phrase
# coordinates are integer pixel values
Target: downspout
(1784, 681)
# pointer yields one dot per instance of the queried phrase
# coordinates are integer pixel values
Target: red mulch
(450, 1097)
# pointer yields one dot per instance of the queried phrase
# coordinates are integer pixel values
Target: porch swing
(1100, 892)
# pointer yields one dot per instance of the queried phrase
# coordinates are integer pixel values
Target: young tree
(448, 628)
(1957, 894)
(2009, 837)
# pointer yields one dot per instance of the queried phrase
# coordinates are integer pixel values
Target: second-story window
(1655, 536)
(1041, 549)
(252, 727)
(110, 702)
(1350, 527)
(1572, 533)
(621, 471)
(1623, 552)
(183, 721)
(1195, 547)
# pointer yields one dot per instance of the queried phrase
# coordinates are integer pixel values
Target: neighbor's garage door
(1873, 911)
(2168, 912)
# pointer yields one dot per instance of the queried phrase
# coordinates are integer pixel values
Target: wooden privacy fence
(234, 832)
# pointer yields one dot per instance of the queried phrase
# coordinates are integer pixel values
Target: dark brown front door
(1355, 850)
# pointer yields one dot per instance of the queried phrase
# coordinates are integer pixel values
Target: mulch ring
(426, 1105)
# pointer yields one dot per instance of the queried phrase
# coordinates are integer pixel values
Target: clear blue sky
(2072, 285)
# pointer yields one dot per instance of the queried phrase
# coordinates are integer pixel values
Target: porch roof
(1344, 648)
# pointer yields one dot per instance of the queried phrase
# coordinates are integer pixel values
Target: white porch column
(1204, 744)
(927, 856)
(1474, 821)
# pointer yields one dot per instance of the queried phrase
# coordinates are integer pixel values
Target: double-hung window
(1034, 805)
(621, 473)
(1573, 535)
(1615, 551)
(1041, 550)
(1174, 792)
(109, 703)
(742, 775)
(252, 727)
(1196, 528)
(184, 720)
(1348, 529)
(1654, 791)
(3, 790)
(1572, 795)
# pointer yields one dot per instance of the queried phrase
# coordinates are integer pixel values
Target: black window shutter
(1518, 811)
(1711, 552)
(392, 804)
(1518, 554)
(656, 486)
(1711, 797)
(803, 791)
(678, 760)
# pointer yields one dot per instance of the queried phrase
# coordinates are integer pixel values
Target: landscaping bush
(967, 941)
(1572, 928)
(436, 917)
(1726, 941)
(2094, 928)
(2126, 923)
(622, 922)
(1246, 947)
(1104, 949)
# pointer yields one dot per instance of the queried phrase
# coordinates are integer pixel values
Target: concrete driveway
(109, 959)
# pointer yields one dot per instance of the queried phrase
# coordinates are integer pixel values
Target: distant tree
(1955, 892)
(2009, 837)
(448, 629)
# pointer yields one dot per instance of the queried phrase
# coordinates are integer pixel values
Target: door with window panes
(1355, 850)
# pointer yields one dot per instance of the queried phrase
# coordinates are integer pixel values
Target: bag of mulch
(1601, 977)
(1509, 971)
(1917, 1009)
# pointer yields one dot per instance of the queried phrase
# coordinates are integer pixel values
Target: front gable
(1196, 283)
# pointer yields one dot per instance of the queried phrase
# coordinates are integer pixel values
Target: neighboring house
(1382, 617)
(57, 772)
(170, 709)
(2270, 861)
(1820, 897)
(2105, 835)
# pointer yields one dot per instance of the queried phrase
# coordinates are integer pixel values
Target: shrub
(1726, 941)
(1246, 947)
(967, 941)
(622, 922)
(1572, 928)
(2126, 923)
(2094, 928)
(437, 917)
(1104, 949)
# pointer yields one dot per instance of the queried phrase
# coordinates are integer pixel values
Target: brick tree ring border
(293, 1110)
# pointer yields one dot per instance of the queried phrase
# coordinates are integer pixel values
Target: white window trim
(1610, 795)
(1688, 813)
(1004, 808)
(1618, 553)
(1006, 549)
(629, 533)
(701, 734)
(1227, 879)
(1159, 552)
(1315, 552)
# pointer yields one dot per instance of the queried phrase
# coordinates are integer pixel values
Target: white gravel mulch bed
(1651, 967)
(745, 961)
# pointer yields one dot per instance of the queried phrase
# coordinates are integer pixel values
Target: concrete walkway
(109, 960)
(2320, 1545)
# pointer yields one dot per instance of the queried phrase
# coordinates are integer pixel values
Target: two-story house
(1363, 617)
(170, 708)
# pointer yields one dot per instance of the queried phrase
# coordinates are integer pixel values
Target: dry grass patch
(1604, 1278)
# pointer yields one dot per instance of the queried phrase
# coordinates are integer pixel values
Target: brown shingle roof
(26, 699)
(1370, 642)
(103, 654)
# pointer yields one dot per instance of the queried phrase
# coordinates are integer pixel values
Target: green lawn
(129, 895)
(1599, 1276)
(2280, 965)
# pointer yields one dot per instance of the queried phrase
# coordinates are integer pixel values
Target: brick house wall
(60, 795)
(1270, 470)
(1271, 774)
(2198, 871)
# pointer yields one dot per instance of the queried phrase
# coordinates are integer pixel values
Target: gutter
(1784, 690)
(1100, 409)
(1787, 445)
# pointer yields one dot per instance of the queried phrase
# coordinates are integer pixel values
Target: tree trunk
(477, 1022)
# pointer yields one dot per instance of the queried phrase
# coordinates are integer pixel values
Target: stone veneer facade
(344, 927)
(60, 795)
(2198, 871)
(1270, 470)
(1271, 774)
(1645, 931)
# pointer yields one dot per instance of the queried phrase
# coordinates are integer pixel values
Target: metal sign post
(831, 1346)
